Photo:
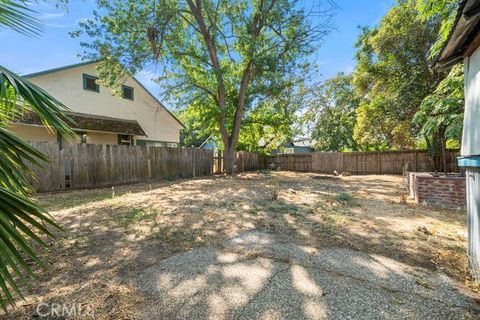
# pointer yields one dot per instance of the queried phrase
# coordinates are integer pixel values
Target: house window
(125, 139)
(127, 92)
(82, 137)
(90, 83)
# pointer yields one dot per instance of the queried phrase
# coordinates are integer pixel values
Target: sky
(55, 48)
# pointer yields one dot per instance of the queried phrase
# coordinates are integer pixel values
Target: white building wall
(67, 86)
(471, 122)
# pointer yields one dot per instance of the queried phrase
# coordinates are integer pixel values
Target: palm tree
(22, 221)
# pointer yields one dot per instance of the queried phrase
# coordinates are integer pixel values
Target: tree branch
(212, 50)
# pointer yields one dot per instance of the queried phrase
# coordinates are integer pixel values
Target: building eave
(88, 122)
(464, 32)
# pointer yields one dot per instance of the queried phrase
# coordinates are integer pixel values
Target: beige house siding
(38, 133)
(102, 138)
(67, 86)
(32, 133)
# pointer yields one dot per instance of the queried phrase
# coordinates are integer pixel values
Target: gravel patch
(261, 276)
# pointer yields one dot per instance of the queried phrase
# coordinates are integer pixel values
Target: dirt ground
(111, 234)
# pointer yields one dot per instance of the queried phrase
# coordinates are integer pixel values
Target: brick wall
(446, 192)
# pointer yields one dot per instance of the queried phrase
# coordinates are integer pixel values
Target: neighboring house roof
(464, 37)
(211, 143)
(44, 72)
(299, 143)
(89, 122)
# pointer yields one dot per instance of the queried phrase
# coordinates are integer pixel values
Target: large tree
(393, 75)
(230, 55)
(331, 110)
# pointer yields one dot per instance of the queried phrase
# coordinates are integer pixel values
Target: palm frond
(16, 16)
(22, 221)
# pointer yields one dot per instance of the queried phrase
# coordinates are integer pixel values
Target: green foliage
(393, 76)
(331, 108)
(228, 61)
(199, 126)
(265, 127)
(445, 9)
(392, 83)
(271, 123)
(22, 221)
(442, 111)
(344, 198)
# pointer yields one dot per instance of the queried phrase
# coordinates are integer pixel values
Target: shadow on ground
(112, 255)
(260, 276)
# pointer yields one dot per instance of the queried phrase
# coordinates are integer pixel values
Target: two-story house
(100, 117)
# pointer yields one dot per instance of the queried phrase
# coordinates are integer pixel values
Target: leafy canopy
(331, 110)
(442, 111)
(393, 75)
(445, 10)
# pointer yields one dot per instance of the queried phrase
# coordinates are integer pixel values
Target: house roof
(464, 36)
(76, 65)
(89, 122)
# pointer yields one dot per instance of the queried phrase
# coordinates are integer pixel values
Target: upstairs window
(90, 83)
(127, 92)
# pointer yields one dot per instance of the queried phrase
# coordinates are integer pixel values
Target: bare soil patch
(114, 233)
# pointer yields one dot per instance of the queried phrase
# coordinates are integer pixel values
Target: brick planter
(445, 192)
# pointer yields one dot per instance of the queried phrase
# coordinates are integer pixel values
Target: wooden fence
(385, 162)
(93, 165)
(90, 165)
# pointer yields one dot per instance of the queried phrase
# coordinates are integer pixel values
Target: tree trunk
(444, 151)
(435, 151)
(229, 158)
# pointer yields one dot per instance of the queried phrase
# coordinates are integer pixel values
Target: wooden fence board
(50, 176)
(292, 162)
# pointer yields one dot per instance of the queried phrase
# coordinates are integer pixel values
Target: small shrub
(137, 215)
(344, 197)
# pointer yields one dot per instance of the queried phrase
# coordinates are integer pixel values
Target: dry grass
(113, 234)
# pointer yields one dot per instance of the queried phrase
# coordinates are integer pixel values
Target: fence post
(416, 160)
(149, 162)
(379, 163)
(194, 151)
(356, 163)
